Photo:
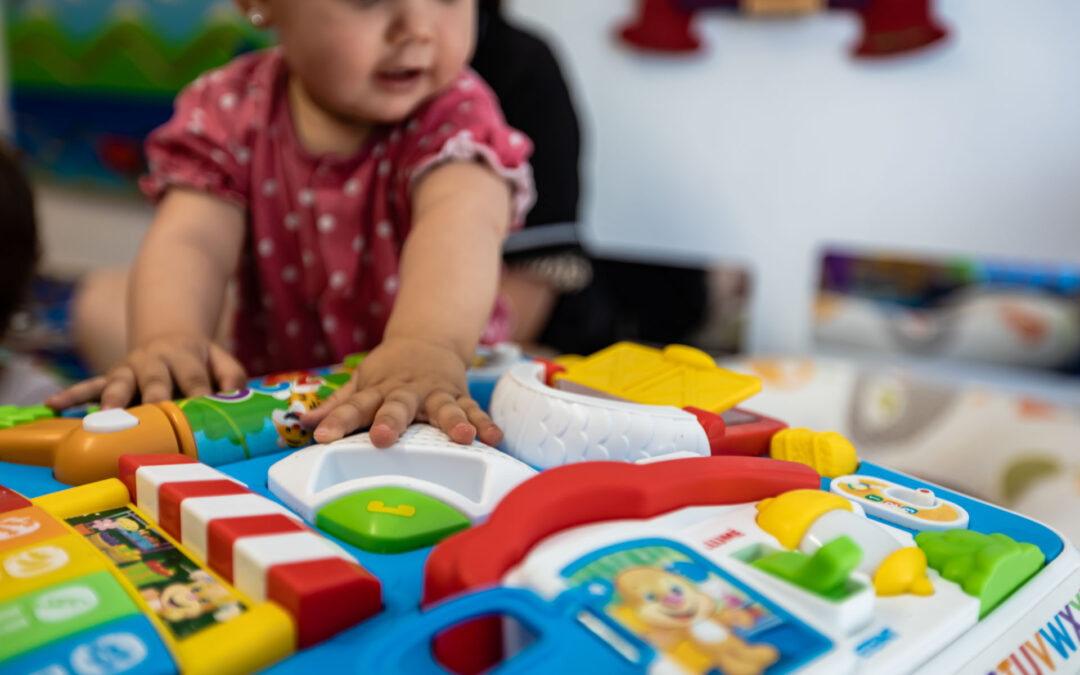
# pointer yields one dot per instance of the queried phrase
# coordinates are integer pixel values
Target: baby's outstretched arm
(176, 292)
(449, 276)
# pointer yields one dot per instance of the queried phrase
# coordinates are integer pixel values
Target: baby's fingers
(444, 411)
(316, 415)
(190, 373)
(83, 392)
(119, 389)
(486, 430)
(345, 415)
(152, 377)
(395, 414)
(227, 370)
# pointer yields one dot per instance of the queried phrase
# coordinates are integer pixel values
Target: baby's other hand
(191, 363)
(402, 380)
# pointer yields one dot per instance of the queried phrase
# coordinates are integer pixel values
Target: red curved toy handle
(579, 494)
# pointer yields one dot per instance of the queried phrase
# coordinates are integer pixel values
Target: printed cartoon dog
(687, 625)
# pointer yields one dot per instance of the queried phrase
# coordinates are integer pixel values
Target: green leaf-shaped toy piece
(987, 566)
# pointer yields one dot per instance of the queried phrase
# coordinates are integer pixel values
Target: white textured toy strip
(149, 479)
(548, 427)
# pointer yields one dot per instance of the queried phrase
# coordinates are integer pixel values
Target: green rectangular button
(38, 618)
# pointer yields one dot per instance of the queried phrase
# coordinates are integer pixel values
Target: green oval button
(390, 520)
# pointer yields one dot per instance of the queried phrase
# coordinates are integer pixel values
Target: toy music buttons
(390, 520)
(916, 509)
(109, 421)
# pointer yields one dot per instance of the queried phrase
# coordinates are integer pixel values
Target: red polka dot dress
(318, 275)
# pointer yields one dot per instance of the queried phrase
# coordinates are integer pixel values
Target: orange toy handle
(82, 453)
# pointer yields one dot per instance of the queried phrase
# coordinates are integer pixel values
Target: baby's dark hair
(19, 247)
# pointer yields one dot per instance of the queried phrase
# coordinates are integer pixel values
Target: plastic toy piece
(254, 557)
(987, 566)
(127, 645)
(222, 534)
(580, 494)
(255, 537)
(366, 520)
(916, 509)
(172, 495)
(53, 613)
(80, 456)
(827, 452)
(808, 519)
(30, 525)
(563, 642)
(746, 433)
(547, 427)
(215, 429)
(469, 479)
(825, 573)
(323, 596)
(240, 636)
(11, 416)
(11, 500)
(677, 376)
(45, 564)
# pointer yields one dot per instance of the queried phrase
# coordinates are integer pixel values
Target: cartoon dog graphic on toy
(687, 625)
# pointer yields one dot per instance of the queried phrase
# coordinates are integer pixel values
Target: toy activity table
(207, 536)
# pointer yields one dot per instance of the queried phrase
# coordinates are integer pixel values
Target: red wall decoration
(890, 27)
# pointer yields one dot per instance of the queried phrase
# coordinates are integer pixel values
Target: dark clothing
(626, 300)
(534, 97)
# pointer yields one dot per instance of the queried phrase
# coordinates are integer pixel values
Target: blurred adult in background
(563, 298)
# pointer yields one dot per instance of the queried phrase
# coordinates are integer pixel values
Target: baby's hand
(191, 363)
(399, 381)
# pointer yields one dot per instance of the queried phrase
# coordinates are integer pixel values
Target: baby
(357, 181)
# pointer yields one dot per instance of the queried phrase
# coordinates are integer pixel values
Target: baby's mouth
(399, 76)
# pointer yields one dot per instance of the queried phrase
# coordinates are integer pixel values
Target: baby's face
(375, 60)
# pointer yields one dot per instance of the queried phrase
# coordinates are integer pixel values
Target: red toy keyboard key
(223, 533)
(129, 464)
(324, 597)
(171, 494)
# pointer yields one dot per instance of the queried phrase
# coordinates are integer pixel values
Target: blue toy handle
(561, 642)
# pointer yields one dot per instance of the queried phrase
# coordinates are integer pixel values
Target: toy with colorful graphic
(917, 509)
(889, 26)
(227, 580)
(613, 552)
(258, 420)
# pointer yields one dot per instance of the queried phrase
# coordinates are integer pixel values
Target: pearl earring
(256, 17)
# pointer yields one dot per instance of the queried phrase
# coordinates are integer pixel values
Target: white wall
(773, 141)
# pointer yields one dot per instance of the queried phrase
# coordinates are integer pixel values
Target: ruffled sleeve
(203, 147)
(465, 123)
